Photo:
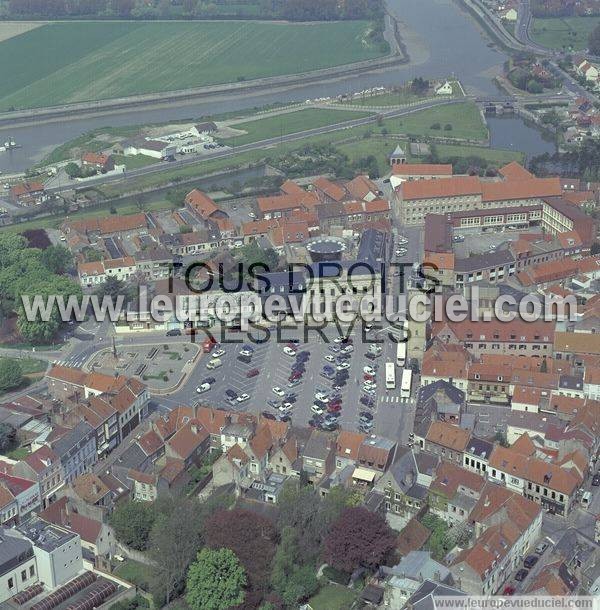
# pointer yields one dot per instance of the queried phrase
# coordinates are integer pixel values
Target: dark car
(530, 561)
(268, 415)
(365, 400)
(290, 398)
(329, 426)
(596, 480)
(521, 575)
(209, 380)
(231, 393)
(174, 332)
(245, 359)
(508, 590)
(303, 355)
(320, 403)
(285, 418)
(366, 415)
(252, 373)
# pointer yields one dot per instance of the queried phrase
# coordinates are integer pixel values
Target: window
(11, 584)
(23, 575)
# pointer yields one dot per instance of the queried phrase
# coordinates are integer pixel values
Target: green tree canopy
(132, 522)
(11, 374)
(215, 581)
(8, 437)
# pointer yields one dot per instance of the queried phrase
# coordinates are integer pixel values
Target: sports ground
(61, 63)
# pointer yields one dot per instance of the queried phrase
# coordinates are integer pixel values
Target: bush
(337, 576)
(436, 126)
(447, 127)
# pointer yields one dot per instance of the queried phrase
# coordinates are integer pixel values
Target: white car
(245, 352)
(342, 366)
(330, 358)
(370, 385)
(218, 353)
(278, 391)
(369, 370)
(288, 351)
(203, 388)
(322, 396)
(348, 349)
(317, 409)
(243, 397)
(251, 214)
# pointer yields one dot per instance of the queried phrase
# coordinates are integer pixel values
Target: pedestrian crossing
(394, 399)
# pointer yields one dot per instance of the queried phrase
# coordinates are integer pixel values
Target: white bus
(390, 376)
(406, 383)
(401, 354)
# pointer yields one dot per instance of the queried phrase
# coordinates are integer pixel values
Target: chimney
(195, 428)
(486, 502)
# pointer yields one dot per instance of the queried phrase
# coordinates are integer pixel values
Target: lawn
(134, 572)
(135, 162)
(18, 454)
(31, 366)
(495, 156)
(563, 32)
(106, 60)
(291, 122)
(465, 118)
(333, 597)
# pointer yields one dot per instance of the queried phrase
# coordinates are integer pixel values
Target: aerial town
(296, 310)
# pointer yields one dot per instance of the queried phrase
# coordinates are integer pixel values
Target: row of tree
(294, 10)
(222, 556)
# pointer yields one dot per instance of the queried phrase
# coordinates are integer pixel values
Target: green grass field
(465, 119)
(105, 60)
(563, 32)
(333, 597)
(291, 122)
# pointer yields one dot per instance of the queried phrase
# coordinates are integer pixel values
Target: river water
(441, 39)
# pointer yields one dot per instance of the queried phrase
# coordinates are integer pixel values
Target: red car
(252, 373)
(335, 403)
(369, 378)
(296, 375)
(508, 590)
(334, 408)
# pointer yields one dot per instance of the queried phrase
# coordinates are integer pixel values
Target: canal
(442, 41)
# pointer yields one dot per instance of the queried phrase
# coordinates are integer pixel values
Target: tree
(56, 259)
(215, 580)
(250, 536)
(174, 541)
(594, 41)
(358, 538)
(8, 437)
(291, 580)
(11, 374)
(132, 522)
(73, 170)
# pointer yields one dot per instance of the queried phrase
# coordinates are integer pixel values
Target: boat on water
(10, 144)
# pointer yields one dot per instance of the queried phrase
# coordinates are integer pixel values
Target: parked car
(369, 370)
(246, 359)
(365, 400)
(278, 391)
(541, 547)
(317, 409)
(288, 351)
(218, 353)
(174, 332)
(348, 349)
(294, 380)
(521, 575)
(343, 366)
(334, 408)
(324, 396)
(530, 561)
(268, 415)
(329, 358)
(508, 590)
(243, 397)
(273, 403)
(596, 480)
(203, 388)
(252, 373)
(209, 380)
(304, 356)
(366, 415)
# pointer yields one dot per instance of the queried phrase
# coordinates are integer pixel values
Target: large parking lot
(392, 414)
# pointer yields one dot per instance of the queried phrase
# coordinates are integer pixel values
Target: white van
(215, 363)
(586, 499)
